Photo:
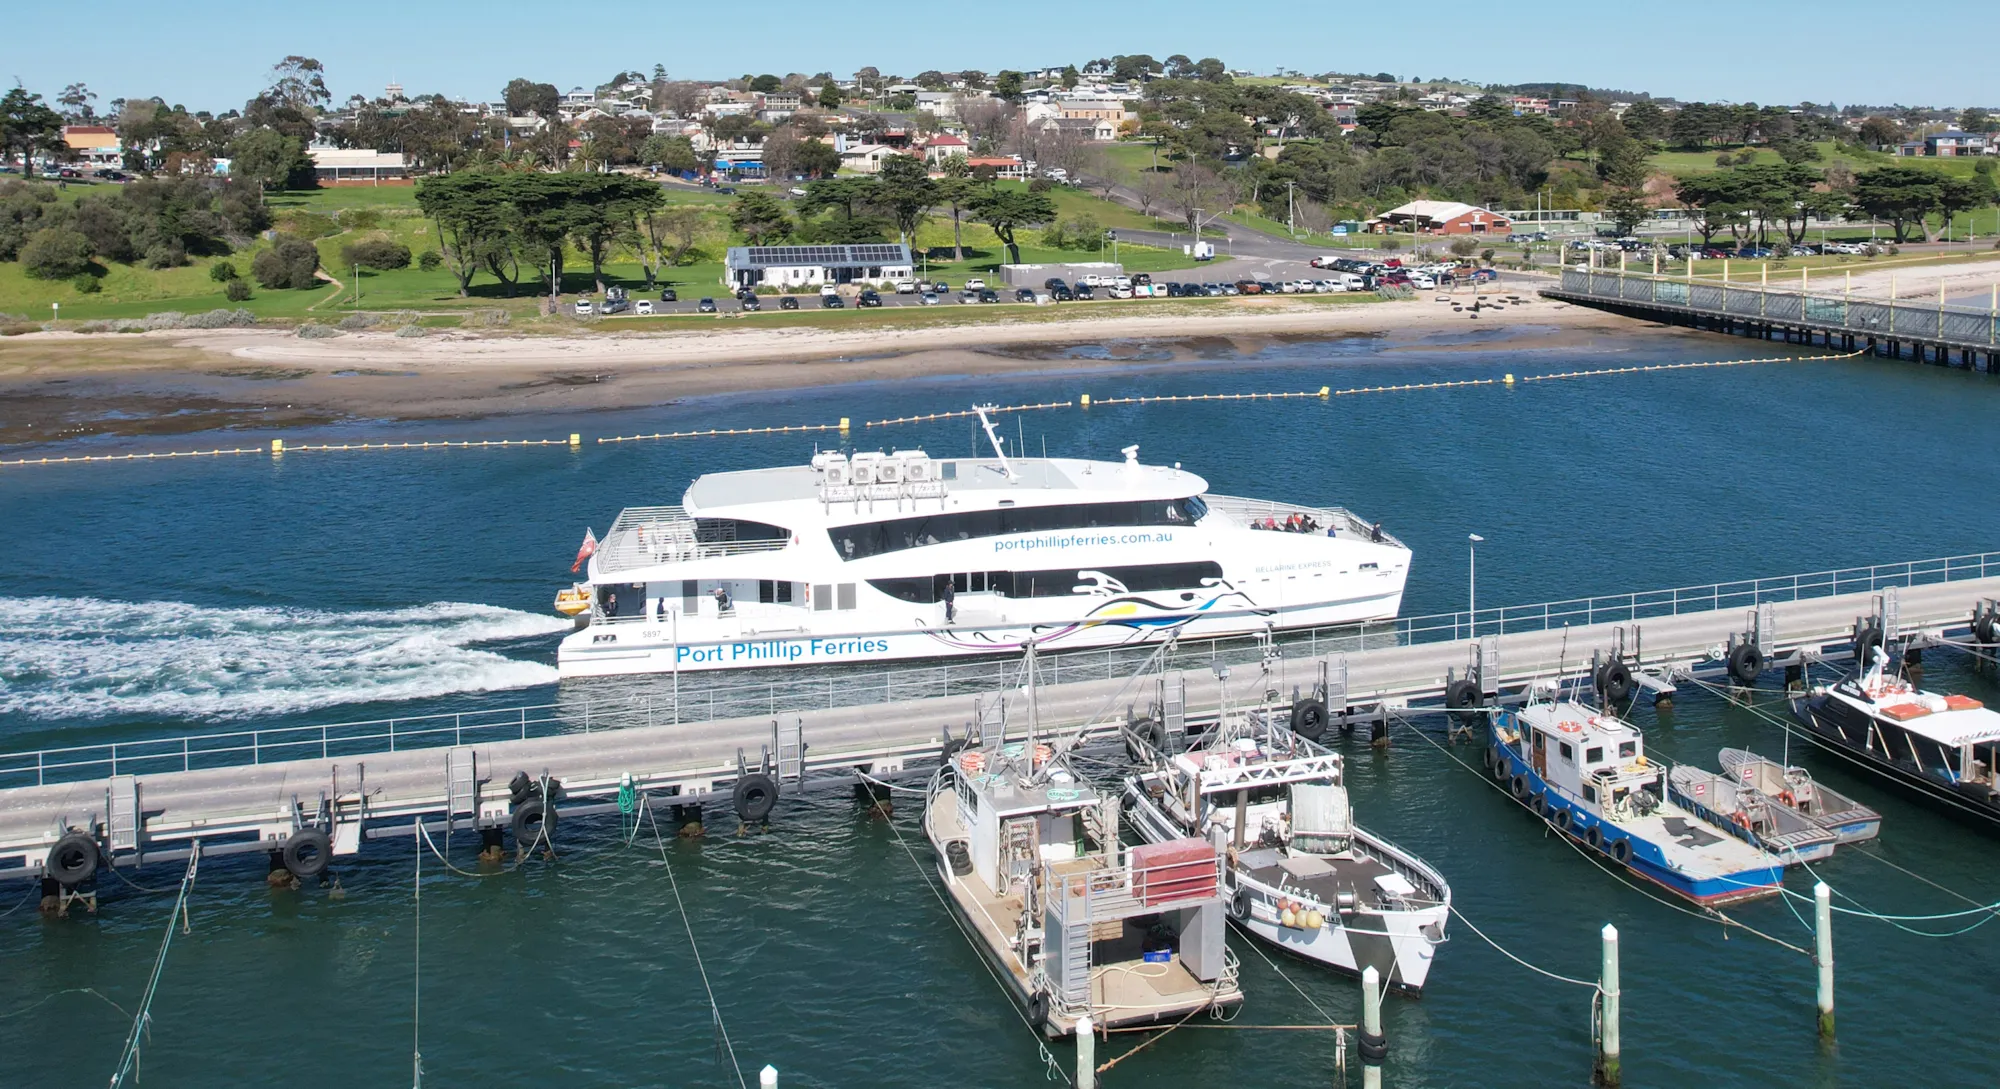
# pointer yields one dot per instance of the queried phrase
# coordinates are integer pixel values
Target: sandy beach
(63, 385)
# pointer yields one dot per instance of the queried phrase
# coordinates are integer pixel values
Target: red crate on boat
(1961, 703)
(1179, 869)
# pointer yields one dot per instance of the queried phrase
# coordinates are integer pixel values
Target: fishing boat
(1074, 923)
(1945, 748)
(1587, 775)
(1796, 789)
(1302, 875)
(874, 557)
(1754, 818)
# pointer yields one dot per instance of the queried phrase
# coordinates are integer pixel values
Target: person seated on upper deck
(722, 603)
(1375, 533)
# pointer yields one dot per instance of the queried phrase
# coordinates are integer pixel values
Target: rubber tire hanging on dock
(306, 853)
(1461, 697)
(533, 820)
(1038, 1011)
(1309, 718)
(1239, 906)
(1621, 851)
(1560, 818)
(1868, 638)
(754, 796)
(72, 861)
(1518, 787)
(1153, 732)
(1986, 627)
(1614, 680)
(1746, 664)
(1593, 837)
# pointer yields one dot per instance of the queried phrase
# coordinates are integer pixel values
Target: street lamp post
(1472, 580)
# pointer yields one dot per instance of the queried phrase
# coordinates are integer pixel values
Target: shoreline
(56, 387)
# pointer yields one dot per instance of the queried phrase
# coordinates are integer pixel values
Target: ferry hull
(603, 650)
(1983, 806)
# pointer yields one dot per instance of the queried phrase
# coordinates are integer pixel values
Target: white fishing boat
(1073, 922)
(1796, 789)
(1750, 816)
(875, 557)
(1303, 876)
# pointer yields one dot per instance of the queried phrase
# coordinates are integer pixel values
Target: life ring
(307, 852)
(1463, 698)
(1746, 662)
(754, 796)
(1561, 818)
(533, 821)
(72, 861)
(1239, 905)
(972, 762)
(1570, 726)
(1309, 718)
(1614, 680)
(1593, 837)
(1518, 787)
(1621, 850)
(1785, 796)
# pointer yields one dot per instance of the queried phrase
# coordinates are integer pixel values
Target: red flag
(589, 548)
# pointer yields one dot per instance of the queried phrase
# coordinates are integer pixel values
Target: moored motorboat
(1753, 818)
(1302, 875)
(1075, 923)
(1587, 775)
(1796, 789)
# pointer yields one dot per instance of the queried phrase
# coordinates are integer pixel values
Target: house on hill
(1440, 217)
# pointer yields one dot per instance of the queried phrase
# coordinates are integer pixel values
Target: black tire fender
(1502, 768)
(1309, 718)
(1460, 697)
(1621, 850)
(1038, 1011)
(307, 853)
(1239, 906)
(1614, 680)
(1560, 818)
(73, 860)
(1518, 787)
(1746, 664)
(533, 820)
(754, 796)
(1866, 640)
(1594, 837)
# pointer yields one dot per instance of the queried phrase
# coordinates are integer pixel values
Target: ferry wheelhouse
(881, 556)
(1587, 775)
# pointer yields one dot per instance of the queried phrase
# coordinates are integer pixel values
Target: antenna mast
(993, 437)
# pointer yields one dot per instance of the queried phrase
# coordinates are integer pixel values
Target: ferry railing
(1246, 511)
(666, 699)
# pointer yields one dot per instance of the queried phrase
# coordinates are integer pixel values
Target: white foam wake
(69, 658)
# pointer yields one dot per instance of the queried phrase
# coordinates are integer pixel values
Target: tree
(1194, 186)
(55, 253)
(378, 254)
(679, 225)
(471, 212)
(1134, 68)
(299, 83)
(1006, 210)
(1644, 120)
(767, 84)
(955, 191)
(1902, 195)
(525, 97)
(271, 159)
(829, 96)
(903, 189)
(290, 263)
(1007, 86)
(604, 209)
(759, 218)
(1626, 209)
(76, 102)
(1070, 78)
(26, 125)
(1879, 132)
(816, 159)
(1974, 119)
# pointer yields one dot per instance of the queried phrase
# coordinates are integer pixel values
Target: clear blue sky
(210, 55)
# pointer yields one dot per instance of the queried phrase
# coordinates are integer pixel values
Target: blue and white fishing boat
(1586, 774)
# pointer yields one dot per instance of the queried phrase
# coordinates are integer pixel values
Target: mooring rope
(128, 1060)
(714, 1009)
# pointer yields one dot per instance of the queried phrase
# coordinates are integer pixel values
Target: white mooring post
(1373, 1047)
(1823, 935)
(1086, 1054)
(1608, 1072)
(767, 1078)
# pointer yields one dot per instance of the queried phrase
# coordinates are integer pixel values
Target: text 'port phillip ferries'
(881, 556)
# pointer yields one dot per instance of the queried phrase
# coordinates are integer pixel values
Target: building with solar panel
(809, 266)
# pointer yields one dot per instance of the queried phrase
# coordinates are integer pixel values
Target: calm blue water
(141, 599)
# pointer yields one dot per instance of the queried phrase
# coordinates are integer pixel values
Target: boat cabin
(1264, 792)
(1953, 739)
(1596, 759)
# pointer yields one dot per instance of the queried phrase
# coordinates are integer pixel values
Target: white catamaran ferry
(882, 556)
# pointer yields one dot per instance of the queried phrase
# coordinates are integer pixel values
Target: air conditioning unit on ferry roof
(865, 466)
(833, 464)
(917, 467)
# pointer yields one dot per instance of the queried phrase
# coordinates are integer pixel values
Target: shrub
(85, 284)
(489, 318)
(1745, 157)
(222, 272)
(290, 263)
(18, 329)
(236, 290)
(55, 253)
(221, 319)
(1040, 185)
(1463, 247)
(359, 219)
(1391, 245)
(1895, 251)
(430, 261)
(310, 224)
(375, 253)
(1486, 255)
(359, 321)
(316, 331)
(1723, 159)
(410, 331)
(165, 319)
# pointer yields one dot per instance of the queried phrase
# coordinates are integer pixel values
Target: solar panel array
(827, 255)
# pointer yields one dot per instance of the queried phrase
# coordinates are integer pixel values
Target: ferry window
(921, 591)
(846, 590)
(1593, 754)
(875, 538)
(1627, 749)
(717, 530)
(822, 597)
(1541, 741)
(1562, 747)
(767, 591)
(1136, 579)
(948, 470)
(690, 595)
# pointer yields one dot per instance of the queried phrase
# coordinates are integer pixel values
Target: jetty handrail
(1864, 314)
(703, 701)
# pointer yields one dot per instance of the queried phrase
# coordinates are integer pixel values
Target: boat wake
(69, 658)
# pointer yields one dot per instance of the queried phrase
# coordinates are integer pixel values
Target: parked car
(1120, 292)
(927, 299)
(583, 308)
(829, 289)
(752, 303)
(1025, 294)
(1061, 294)
(1083, 292)
(668, 294)
(1054, 282)
(989, 296)
(615, 306)
(941, 288)
(906, 287)
(968, 296)
(831, 302)
(869, 297)
(1249, 287)
(1754, 251)
(705, 306)
(789, 302)
(643, 308)
(975, 284)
